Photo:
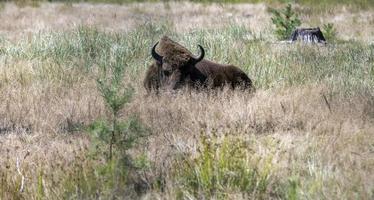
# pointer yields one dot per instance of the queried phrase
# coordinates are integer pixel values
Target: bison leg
(242, 81)
(152, 78)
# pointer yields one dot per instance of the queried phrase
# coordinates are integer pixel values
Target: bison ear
(201, 57)
(155, 55)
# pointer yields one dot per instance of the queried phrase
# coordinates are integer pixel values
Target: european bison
(175, 66)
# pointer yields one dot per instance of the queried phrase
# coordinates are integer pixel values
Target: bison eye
(166, 73)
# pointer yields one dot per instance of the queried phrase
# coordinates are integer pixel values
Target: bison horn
(155, 55)
(196, 60)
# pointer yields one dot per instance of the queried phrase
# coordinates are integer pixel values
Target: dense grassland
(320, 3)
(306, 133)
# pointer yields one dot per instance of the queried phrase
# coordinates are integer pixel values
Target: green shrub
(116, 133)
(112, 137)
(330, 32)
(285, 22)
(222, 168)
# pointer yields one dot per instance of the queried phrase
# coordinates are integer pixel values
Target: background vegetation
(322, 3)
(306, 133)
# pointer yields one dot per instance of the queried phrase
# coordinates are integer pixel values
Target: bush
(111, 136)
(329, 31)
(285, 21)
(116, 133)
(223, 167)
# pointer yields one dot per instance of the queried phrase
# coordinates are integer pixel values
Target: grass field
(306, 133)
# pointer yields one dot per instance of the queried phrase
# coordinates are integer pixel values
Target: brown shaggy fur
(177, 69)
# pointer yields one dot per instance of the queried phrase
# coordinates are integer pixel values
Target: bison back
(221, 75)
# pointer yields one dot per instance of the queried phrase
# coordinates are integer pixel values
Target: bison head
(175, 66)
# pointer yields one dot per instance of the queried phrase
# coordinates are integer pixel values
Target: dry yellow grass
(21, 22)
(294, 125)
(326, 140)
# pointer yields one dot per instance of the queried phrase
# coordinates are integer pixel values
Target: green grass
(225, 166)
(346, 66)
